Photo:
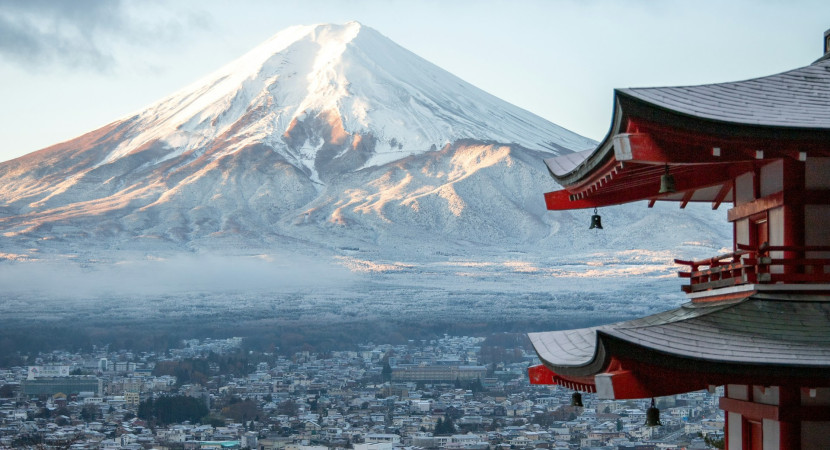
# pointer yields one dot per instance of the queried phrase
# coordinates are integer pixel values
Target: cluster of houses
(424, 394)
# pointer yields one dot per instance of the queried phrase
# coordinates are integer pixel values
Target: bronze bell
(653, 416)
(667, 182)
(596, 221)
(576, 399)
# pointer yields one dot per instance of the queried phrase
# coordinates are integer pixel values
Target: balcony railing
(764, 265)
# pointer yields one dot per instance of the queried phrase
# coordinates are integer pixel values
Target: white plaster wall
(816, 229)
(814, 435)
(817, 173)
(742, 231)
(743, 189)
(734, 431)
(738, 391)
(776, 234)
(772, 178)
(816, 221)
(772, 434)
(822, 397)
(766, 395)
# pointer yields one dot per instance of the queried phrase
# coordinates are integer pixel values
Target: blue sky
(70, 67)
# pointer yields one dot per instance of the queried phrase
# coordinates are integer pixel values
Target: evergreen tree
(289, 408)
(145, 409)
(445, 426)
(89, 413)
(173, 409)
(449, 425)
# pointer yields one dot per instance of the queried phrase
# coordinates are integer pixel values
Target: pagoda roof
(763, 329)
(685, 128)
(798, 98)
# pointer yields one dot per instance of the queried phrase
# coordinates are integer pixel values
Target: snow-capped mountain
(332, 99)
(328, 137)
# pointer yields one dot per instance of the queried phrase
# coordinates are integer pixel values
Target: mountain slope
(341, 96)
(324, 137)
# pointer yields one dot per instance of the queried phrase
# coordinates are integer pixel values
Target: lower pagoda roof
(762, 335)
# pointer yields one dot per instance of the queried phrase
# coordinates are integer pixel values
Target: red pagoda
(758, 319)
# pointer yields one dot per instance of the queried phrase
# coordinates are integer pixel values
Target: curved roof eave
(797, 100)
(761, 330)
(566, 169)
(576, 352)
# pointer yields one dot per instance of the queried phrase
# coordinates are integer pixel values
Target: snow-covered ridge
(351, 73)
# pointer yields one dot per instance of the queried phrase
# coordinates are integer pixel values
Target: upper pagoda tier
(705, 136)
(758, 322)
(764, 146)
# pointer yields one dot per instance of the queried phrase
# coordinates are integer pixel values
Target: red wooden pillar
(726, 429)
(794, 186)
(734, 222)
(789, 428)
(726, 413)
(753, 434)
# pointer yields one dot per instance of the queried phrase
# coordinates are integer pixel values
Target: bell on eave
(667, 182)
(596, 221)
(653, 416)
(576, 399)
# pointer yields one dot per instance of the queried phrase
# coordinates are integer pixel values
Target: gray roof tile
(798, 98)
(753, 330)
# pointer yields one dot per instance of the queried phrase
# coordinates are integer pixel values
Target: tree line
(172, 409)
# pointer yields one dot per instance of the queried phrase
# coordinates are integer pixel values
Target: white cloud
(86, 34)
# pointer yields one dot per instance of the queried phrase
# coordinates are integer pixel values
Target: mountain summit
(333, 98)
(324, 136)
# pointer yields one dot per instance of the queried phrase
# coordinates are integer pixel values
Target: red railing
(764, 265)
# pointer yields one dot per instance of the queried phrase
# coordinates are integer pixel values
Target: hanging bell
(596, 221)
(653, 416)
(667, 182)
(576, 399)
